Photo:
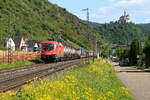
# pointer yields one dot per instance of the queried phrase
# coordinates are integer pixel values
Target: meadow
(91, 81)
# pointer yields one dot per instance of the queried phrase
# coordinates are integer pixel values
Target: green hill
(40, 19)
(145, 26)
(119, 33)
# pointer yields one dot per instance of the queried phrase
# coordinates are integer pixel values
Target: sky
(104, 11)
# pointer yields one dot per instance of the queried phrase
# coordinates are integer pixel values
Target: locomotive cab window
(48, 46)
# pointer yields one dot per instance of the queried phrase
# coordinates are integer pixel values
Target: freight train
(56, 51)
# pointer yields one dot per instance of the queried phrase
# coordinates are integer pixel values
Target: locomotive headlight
(54, 46)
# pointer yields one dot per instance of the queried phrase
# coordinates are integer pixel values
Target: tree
(147, 53)
(135, 52)
(122, 53)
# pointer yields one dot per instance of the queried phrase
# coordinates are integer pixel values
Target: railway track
(10, 80)
(20, 68)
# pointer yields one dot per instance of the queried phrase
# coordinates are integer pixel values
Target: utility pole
(9, 28)
(92, 41)
(94, 45)
(10, 14)
(88, 17)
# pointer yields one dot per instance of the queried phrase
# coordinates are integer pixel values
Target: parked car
(115, 59)
(124, 63)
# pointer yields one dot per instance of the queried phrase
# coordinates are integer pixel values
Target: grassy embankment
(15, 64)
(94, 81)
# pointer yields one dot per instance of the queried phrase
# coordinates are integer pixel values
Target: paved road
(137, 81)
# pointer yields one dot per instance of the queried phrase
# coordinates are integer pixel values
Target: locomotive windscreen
(48, 47)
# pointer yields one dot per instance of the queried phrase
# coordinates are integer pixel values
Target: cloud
(139, 11)
(122, 4)
(124, 1)
(110, 0)
(82, 16)
(146, 20)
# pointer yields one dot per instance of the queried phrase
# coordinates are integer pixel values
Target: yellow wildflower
(109, 93)
(27, 86)
(10, 93)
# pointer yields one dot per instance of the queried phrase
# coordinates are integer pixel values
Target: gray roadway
(137, 81)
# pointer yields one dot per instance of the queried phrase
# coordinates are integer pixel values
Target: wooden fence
(13, 56)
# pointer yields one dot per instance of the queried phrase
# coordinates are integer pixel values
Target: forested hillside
(145, 26)
(40, 19)
(119, 33)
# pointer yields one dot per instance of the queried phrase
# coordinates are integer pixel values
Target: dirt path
(137, 81)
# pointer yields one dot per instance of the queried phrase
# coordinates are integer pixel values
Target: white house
(10, 44)
(20, 43)
(16, 43)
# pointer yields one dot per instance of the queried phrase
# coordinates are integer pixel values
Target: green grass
(94, 81)
(15, 64)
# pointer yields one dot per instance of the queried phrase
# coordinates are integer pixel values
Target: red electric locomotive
(52, 50)
(56, 51)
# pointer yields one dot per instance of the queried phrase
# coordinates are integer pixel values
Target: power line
(92, 40)
(88, 18)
